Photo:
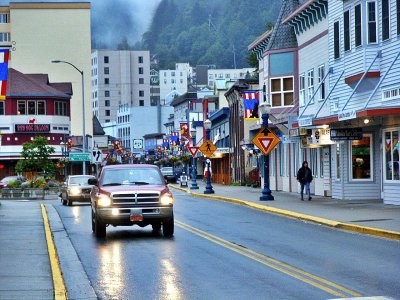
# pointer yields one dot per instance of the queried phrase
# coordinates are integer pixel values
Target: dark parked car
(129, 194)
(168, 173)
(76, 188)
(5, 180)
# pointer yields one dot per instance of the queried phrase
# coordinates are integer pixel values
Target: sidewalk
(30, 268)
(368, 217)
(25, 271)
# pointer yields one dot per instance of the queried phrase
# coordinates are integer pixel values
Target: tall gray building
(119, 77)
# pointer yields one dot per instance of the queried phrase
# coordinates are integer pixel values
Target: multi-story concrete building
(37, 33)
(228, 74)
(119, 78)
(174, 82)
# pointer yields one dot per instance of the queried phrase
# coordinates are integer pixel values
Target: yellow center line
(299, 274)
(60, 292)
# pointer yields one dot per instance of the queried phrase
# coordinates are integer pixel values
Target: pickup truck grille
(135, 198)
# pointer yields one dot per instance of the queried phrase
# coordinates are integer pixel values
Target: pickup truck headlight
(167, 199)
(103, 200)
(74, 191)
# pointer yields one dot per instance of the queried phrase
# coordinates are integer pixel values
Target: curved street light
(56, 61)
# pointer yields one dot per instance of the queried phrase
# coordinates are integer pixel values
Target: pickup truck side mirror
(93, 181)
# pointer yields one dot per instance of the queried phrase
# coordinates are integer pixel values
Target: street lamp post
(194, 163)
(209, 188)
(83, 110)
(64, 154)
(265, 109)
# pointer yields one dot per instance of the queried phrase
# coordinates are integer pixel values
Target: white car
(76, 188)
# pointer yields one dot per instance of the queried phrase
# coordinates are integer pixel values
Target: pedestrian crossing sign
(266, 140)
(208, 148)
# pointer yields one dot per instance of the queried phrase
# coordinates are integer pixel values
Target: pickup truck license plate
(136, 215)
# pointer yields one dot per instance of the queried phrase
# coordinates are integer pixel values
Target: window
(321, 162)
(310, 86)
(141, 80)
(357, 25)
(1, 107)
(108, 113)
(141, 102)
(106, 80)
(172, 80)
(336, 40)
(60, 108)
(107, 103)
(4, 36)
(338, 161)
(3, 18)
(141, 93)
(140, 70)
(106, 93)
(386, 20)
(21, 107)
(31, 107)
(106, 59)
(282, 91)
(302, 90)
(314, 161)
(390, 94)
(392, 149)
(371, 21)
(41, 108)
(106, 70)
(140, 59)
(321, 75)
(346, 30)
(361, 158)
(398, 16)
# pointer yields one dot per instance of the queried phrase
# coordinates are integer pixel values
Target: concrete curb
(394, 235)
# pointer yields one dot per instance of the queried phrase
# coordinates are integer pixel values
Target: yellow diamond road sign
(266, 140)
(207, 148)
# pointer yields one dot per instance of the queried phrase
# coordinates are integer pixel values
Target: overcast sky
(114, 19)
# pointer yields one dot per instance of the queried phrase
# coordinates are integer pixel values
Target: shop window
(392, 149)
(31, 107)
(321, 162)
(337, 156)
(41, 108)
(361, 158)
(313, 164)
(21, 107)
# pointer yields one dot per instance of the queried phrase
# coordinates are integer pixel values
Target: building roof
(97, 128)
(183, 98)
(33, 85)
(283, 36)
(241, 84)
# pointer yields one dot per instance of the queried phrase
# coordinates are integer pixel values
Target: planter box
(29, 194)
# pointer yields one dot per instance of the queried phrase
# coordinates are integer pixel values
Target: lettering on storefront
(346, 134)
(347, 115)
(32, 128)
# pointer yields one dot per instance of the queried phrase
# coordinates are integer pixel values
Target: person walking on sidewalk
(304, 176)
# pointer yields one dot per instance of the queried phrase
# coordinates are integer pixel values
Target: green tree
(36, 156)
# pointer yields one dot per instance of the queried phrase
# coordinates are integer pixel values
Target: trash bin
(183, 180)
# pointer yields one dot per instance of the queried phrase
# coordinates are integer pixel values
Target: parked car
(5, 180)
(168, 173)
(76, 188)
(131, 194)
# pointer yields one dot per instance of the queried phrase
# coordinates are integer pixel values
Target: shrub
(14, 184)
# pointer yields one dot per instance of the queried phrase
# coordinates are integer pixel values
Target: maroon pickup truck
(131, 194)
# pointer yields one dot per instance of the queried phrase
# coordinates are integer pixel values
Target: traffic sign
(193, 150)
(138, 144)
(79, 156)
(207, 148)
(266, 140)
(97, 156)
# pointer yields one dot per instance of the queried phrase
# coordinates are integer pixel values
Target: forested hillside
(207, 31)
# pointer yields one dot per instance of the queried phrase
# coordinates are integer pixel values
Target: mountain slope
(207, 31)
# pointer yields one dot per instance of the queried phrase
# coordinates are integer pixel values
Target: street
(226, 251)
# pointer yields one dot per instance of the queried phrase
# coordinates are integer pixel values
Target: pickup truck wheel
(69, 202)
(63, 201)
(99, 227)
(168, 227)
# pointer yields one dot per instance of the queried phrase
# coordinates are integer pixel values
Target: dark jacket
(304, 175)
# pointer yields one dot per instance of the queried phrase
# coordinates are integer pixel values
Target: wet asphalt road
(226, 251)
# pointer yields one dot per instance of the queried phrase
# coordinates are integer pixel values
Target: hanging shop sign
(305, 121)
(287, 139)
(347, 115)
(346, 134)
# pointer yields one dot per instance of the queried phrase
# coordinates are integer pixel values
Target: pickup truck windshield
(136, 176)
